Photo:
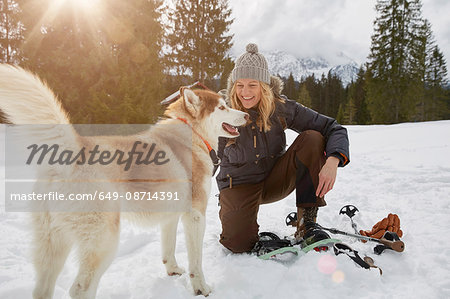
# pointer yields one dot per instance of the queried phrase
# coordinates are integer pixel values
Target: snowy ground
(403, 169)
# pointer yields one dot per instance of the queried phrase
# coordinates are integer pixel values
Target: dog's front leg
(194, 226)
(168, 242)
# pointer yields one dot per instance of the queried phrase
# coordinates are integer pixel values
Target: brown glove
(390, 223)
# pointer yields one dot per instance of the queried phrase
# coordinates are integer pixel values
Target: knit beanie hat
(251, 65)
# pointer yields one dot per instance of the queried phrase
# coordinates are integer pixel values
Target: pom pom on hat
(252, 48)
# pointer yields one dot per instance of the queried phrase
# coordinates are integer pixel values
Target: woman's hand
(327, 176)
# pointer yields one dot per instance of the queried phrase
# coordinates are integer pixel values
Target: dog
(25, 99)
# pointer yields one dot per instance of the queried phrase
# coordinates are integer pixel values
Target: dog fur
(26, 100)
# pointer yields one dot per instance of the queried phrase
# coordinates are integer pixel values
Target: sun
(87, 4)
(79, 4)
(88, 12)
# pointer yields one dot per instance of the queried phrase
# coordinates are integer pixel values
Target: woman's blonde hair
(266, 106)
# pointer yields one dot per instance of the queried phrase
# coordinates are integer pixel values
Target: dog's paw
(175, 270)
(205, 290)
(172, 267)
(78, 291)
(200, 287)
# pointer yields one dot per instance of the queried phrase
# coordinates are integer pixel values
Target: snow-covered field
(403, 169)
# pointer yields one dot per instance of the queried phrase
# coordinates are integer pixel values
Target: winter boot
(314, 234)
(304, 216)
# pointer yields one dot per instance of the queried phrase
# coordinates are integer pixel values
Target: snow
(401, 169)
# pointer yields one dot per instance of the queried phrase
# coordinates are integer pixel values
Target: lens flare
(327, 264)
(338, 276)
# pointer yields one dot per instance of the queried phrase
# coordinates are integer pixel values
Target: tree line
(404, 79)
(114, 61)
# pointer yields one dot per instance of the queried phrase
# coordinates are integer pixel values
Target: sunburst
(87, 12)
(87, 5)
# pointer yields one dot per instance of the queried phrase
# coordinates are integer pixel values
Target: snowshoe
(319, 246)
(270, 245)
(314, 235)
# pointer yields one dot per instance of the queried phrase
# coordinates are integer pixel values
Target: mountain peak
(283, 64)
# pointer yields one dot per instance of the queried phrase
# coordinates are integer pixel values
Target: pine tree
(61, 47)
(421, 49)
(340, 117)
(321, 95)
(11, 32)
(357, 91)
(290, 89)
(304, 98)
(315, 91)
(138, 67)
(350, 112)
(198, 37)
(105, 68)
(393, 61)
(333, 94)
(435, 84)
(446, 113)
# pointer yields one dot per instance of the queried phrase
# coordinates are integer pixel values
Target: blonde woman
(257, 169)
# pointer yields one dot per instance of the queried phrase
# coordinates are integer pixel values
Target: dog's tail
(30, 105)
(24, 99)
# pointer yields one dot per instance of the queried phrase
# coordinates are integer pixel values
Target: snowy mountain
(283, 64)
(347, 72)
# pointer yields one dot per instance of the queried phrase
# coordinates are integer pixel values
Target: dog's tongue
(230, 129)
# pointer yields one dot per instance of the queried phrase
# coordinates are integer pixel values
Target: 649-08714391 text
(97, 195)
(139, 195)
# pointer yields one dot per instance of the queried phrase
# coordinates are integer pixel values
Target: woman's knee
(239, 230)
(310, 141)
(239, 243)
(312, 137)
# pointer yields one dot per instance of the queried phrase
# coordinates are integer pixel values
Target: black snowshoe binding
(314, 234)
(269, 242)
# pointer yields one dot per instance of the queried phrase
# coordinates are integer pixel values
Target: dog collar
(212, 152)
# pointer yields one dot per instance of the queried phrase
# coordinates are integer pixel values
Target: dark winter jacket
(250, 157)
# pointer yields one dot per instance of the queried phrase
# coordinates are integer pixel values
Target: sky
(325, 28)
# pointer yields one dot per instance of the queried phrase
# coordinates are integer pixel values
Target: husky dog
(24, 99)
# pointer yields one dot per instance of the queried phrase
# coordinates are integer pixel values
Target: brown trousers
(297, 169)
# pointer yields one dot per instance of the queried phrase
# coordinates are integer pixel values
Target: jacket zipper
(231, 181)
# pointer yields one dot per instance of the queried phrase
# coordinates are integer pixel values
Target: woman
(256, 168)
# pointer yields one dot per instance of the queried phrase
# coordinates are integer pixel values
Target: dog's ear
(191, 100)
(224, 94)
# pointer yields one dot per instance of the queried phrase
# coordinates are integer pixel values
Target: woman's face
(248, 92)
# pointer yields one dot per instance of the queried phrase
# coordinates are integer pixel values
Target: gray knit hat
(251, 65)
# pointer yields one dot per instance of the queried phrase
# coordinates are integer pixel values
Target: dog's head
(208, 113)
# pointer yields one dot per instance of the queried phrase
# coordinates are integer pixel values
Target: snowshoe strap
(268, 236)
(351, 253)
(264, 246)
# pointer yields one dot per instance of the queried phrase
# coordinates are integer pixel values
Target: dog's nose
(246, 116)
